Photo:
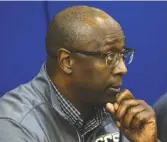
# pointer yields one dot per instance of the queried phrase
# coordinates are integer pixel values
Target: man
(161, 115)
(76, 96)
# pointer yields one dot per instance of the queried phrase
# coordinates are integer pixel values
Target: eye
(110, 56)
(123, 56)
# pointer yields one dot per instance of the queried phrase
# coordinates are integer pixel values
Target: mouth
(117, 90)
(114, 88)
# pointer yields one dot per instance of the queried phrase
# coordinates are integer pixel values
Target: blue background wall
(23, 27)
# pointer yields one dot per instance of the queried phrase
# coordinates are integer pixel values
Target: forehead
(106, 45)
(111, 45)
(108, 35)
(109, 38)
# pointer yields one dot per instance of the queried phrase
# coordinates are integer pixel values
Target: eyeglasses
(112, 57)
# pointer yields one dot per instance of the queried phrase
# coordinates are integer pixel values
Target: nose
(120, 68)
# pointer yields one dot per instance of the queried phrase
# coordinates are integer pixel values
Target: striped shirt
(74, 116)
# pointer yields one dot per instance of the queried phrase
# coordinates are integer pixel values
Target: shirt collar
(72, 114)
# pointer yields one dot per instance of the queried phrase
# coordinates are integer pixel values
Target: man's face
(97, 80)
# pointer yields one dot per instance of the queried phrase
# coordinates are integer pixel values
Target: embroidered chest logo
(114, 137)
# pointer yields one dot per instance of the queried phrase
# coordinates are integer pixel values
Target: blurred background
(23, 27)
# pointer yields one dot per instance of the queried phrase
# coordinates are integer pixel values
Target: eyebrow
(113, 46)
(110, 41)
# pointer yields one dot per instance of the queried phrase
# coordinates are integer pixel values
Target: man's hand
(134, 117)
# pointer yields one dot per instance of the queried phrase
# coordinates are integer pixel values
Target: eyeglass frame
(105, 55)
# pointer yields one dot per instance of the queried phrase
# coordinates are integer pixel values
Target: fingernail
(108, 104)
(118, 124)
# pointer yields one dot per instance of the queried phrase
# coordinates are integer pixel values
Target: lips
(114, 88)
(117, 90)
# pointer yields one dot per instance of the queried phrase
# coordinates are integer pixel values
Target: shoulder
(16, 103)
(160, 108)
(11, 130)
(161, 104)
(20, 110)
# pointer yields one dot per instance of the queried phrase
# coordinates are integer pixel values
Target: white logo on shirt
(114, 137)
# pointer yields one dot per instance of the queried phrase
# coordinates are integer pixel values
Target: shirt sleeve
(11, 131)
(160, 108)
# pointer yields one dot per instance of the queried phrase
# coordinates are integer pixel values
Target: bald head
(81, 78)
(77, 26)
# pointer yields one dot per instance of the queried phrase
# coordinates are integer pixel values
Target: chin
(103, 101)
(110, 100)
(110, 95)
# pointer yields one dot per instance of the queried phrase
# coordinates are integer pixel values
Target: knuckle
(152, 113)
(143, 102)
(138, 117)
(131, 110)
(125, 103)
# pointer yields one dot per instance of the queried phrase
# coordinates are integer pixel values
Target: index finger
(124, 95)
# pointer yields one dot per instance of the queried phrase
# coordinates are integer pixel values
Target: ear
(64, 60)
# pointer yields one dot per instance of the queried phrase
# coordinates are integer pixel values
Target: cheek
(95, 70)
(93, 73)
(82, 71)
(101, 73)
(100, 66)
